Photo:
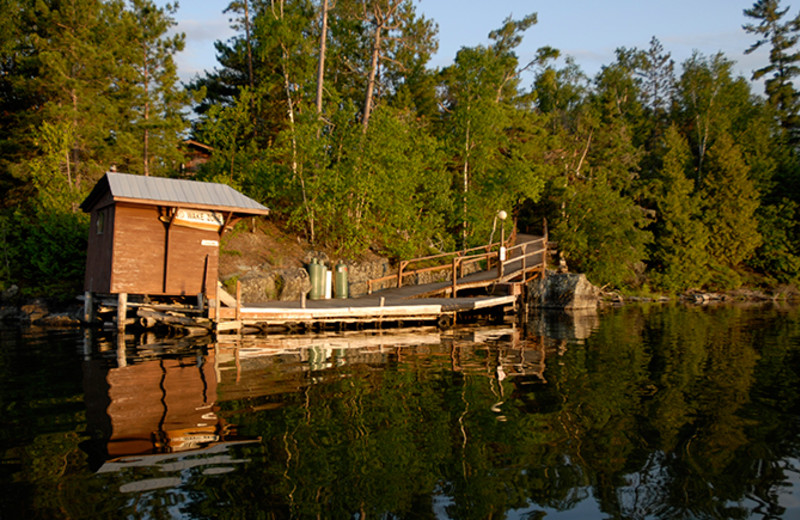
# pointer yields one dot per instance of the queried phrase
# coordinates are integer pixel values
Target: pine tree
(616, 103)
(784, 59)
(153, 100)
(77, 45)
(730, 204)
(679, 254)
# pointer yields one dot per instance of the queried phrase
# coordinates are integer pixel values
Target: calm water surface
(662, 412)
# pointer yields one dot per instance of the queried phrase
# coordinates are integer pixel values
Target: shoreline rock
(565, 291)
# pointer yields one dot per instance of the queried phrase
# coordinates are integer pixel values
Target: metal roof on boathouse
(171, 192)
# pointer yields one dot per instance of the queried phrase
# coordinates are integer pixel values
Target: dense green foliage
(328, 112)
(85, 85)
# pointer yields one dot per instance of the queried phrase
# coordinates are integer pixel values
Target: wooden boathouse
(158, 237)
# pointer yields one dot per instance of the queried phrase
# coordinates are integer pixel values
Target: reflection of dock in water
(260, 367)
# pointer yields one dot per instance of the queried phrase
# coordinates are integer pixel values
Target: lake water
(638, 412)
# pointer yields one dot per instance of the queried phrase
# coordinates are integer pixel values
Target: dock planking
(362, 309)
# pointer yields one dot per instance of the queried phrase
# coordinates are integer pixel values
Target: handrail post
(544, 257)
(500, 262)
(545, 230)
(400, 274)
(455, 281)
(524, 259)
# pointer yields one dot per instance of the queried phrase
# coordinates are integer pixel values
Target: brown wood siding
(140, 244)
(190, 263)
(99, 252)
(139, 240)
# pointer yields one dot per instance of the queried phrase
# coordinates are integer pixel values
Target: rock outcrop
(565, 291)
(262, 285)
(293, 283)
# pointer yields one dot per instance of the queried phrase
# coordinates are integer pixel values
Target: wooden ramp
(525, 260)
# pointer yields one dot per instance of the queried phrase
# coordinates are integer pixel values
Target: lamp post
(501, 255)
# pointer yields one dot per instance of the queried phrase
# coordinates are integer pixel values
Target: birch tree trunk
(322, 44)
(373, 72)
(381, 18)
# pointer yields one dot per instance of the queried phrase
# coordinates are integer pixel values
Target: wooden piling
(122, 311)
(88, 307)
(122, 360)
(238, 300)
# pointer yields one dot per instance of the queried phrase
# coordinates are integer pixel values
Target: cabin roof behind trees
(171, 192)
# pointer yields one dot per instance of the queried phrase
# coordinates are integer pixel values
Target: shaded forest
(652, 175)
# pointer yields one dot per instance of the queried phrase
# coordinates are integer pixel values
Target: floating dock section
(370, 311)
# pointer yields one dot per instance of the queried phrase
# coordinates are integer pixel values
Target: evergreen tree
(19, 97)
(730, 204)
(679, 258)
(656, 72)
(77, 45)
(784, 59)
(778, 256)
(153, 102)
(616, 103)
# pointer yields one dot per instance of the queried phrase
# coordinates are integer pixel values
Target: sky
(588, 30)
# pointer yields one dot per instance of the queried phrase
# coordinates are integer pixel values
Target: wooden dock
(375, 311)
(493, 290)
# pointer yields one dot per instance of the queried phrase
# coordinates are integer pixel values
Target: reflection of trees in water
(651, 414)
(678, 431)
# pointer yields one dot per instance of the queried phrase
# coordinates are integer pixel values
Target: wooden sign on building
(157, 236)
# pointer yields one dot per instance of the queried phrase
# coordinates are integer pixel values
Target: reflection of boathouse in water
(154, 406)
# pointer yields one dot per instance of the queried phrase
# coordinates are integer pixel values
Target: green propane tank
(340, 281)
(316, 272)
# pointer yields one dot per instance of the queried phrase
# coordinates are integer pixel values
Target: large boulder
(294, 283)
(259, 286)
(565, 291)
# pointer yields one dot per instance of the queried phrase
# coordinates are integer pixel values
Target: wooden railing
(458, 260)
(527, 251)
